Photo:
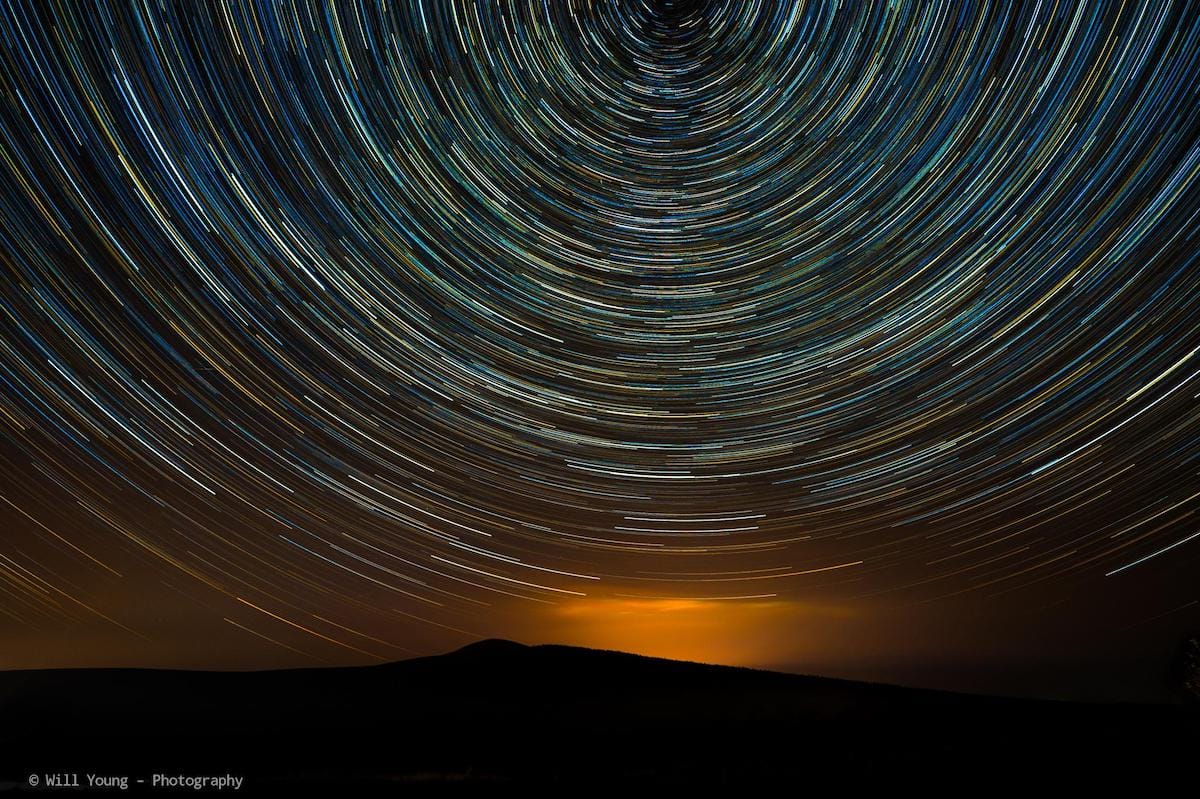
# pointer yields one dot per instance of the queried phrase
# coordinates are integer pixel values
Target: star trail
(329, 327)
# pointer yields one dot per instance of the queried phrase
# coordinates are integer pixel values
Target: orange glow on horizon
(731, 632)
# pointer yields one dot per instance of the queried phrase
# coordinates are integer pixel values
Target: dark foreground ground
(501, 712)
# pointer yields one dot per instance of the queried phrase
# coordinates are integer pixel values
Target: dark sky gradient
(849, 339)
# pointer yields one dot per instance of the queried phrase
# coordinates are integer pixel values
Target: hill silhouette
(499, 710)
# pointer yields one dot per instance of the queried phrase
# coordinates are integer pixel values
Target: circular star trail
(319, 313)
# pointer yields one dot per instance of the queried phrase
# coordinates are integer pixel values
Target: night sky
(853, 338)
